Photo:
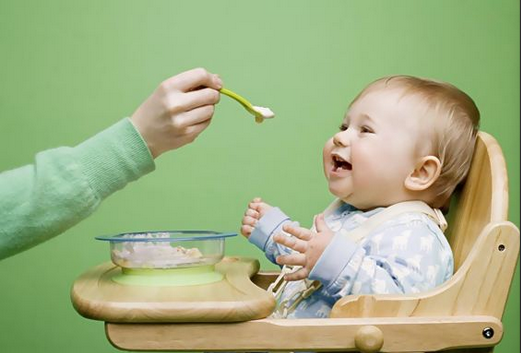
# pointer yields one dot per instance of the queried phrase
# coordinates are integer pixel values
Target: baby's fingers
(297, 275)
(257, 206)
(252, 213)
(246, 230)
(299, 232)
(249, 221)
(292, 260)
(290, 242)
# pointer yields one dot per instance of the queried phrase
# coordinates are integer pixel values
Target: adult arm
(65, 185)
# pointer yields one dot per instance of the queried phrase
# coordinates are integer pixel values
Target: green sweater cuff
(114, 157)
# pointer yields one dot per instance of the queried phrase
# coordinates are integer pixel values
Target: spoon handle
(243, 101)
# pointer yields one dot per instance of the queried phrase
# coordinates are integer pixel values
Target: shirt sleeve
(404, 258)
(269, 225)
(65, 185)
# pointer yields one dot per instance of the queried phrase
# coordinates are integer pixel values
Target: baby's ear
(425, 173)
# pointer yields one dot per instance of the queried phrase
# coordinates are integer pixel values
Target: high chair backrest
(485, 247)
(482, 200)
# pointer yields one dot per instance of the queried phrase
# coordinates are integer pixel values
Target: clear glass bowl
(166, 249)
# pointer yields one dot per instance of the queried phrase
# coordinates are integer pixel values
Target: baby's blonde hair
(455, 126)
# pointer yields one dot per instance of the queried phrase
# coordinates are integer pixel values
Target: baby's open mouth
(340, 163)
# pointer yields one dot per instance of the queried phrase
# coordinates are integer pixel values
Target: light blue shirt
(407, 254)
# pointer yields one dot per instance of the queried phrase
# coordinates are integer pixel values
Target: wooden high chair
(462, 315)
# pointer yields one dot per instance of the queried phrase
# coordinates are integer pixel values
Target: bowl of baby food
(166, 249)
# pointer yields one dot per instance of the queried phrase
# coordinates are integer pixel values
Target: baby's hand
(308, 244)
(256, 209)
(178, 111)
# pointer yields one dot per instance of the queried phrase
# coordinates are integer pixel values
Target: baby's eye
(343, 127)
(366, 130)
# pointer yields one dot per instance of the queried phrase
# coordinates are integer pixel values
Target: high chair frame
(462, 315)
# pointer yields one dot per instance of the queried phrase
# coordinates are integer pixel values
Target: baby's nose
(341, 139)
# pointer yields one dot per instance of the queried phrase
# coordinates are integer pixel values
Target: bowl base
(172, 277)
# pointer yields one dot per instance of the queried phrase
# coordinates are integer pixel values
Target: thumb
(320, 223)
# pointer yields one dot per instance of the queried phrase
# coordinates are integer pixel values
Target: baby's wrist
(267, 226)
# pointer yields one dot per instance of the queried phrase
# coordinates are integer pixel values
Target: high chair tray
(95, 295)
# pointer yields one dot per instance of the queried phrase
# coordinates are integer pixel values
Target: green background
(70, 69)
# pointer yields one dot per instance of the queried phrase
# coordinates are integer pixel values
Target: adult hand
(308, 244)
(256, 209)
(178, 110)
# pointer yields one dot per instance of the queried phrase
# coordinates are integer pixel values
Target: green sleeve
(65, 185)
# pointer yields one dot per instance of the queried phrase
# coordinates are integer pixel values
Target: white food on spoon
(265, 112)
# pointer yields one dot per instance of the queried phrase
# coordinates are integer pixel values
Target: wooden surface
(483, 200)
(398, 334)
(95, 296)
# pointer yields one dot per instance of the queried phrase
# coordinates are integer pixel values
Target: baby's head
(403, 138)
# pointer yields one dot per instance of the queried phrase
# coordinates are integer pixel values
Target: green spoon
(260, 113)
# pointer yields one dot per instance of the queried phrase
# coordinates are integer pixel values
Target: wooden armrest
(407, 334)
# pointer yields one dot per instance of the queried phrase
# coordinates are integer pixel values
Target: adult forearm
(65, 185)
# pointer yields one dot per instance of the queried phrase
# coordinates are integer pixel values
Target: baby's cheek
(326, 153)
(328, 147)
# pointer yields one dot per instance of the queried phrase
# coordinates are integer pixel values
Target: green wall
(68, 69)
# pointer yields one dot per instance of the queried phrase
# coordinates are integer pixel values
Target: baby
(403, 147)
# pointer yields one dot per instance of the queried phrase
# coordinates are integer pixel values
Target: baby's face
(368, 160)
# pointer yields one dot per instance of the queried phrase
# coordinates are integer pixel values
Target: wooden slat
(484, 198)
(399, 334)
